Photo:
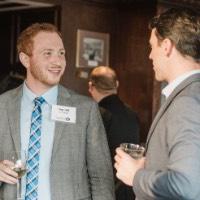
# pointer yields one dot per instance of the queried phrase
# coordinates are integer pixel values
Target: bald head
(104, 79)
(104, 71)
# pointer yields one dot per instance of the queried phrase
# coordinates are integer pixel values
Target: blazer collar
(166, 104)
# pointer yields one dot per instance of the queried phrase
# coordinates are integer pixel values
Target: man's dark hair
(182, 27)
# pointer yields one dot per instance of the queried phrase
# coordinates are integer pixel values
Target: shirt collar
(171, 86)
(50, 96)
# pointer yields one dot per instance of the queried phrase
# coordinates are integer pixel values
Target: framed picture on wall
(92, 49)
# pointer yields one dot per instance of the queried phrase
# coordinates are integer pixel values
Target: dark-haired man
(172, 166)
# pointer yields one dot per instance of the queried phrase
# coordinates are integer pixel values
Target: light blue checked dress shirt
(47, 135)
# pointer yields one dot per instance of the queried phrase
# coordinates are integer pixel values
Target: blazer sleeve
(98, 158)
(179, 179)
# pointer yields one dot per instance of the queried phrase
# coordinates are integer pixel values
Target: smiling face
(47, 63)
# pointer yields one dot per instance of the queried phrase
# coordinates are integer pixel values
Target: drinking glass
(19, 160)
(136, 151)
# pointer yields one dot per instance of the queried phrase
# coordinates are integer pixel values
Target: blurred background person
(120, 121)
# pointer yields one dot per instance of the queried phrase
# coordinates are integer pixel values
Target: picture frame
(92, 49)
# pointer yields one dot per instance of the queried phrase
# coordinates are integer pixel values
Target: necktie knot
(39, 101)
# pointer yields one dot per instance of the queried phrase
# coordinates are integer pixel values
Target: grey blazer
(172, 169)
(80, 165)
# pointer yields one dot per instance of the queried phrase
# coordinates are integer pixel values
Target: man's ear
(24, 59)
(167, 46)
(117, 84)
(90, 86)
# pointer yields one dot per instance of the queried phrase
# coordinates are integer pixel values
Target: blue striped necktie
(34, 151)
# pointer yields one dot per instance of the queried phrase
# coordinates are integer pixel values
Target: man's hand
(126, 166)
(7, 175)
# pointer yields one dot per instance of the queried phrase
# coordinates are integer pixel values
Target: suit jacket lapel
(184, 84)
(63, 99)
(14, 106)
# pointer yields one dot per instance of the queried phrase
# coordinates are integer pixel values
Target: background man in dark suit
(120, 121)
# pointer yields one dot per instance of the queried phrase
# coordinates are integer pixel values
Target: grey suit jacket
(80, 165)
(172, 169)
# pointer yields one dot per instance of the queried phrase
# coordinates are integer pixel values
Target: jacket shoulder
(74, 96)
(10, 94)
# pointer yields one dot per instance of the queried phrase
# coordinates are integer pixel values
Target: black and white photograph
(92, 49)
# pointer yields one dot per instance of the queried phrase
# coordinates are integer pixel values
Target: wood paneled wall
(128, 28)
(131, 60)
(84, 16)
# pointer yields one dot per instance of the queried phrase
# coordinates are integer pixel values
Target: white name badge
(63, 113)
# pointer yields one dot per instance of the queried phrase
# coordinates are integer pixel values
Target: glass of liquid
(136, 151)
(19, 160)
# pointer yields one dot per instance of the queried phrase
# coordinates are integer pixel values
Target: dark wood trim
(181, 3)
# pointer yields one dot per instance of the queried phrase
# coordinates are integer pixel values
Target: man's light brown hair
(25, 40)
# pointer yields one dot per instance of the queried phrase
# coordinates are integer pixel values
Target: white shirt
(47, 136)
(171, 86)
